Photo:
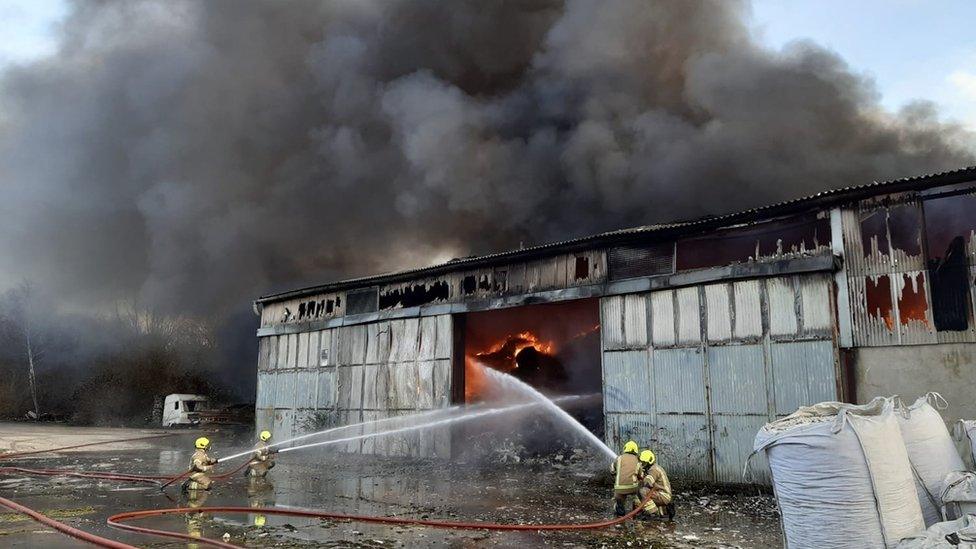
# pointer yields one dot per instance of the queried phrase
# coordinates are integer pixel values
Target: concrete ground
(572, 489)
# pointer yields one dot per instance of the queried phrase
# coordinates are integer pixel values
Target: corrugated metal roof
(823, 198)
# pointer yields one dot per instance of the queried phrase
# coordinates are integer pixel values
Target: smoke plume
(193, 155)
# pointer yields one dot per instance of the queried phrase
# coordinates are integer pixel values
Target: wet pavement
(569, 489)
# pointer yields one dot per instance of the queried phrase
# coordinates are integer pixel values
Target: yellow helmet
(648, 457)
(260, 520)
(202, 443)
(631, 447)
(265, 436)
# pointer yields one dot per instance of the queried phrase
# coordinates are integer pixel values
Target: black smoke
(193, 155)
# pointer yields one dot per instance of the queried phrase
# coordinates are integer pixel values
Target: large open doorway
(554, 347)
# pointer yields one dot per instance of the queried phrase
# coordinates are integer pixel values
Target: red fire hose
(118, 520)
(64, 528)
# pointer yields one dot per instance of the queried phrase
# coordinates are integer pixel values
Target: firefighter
(261, 462)
(627, 476)
(655, 487)
(200, 466)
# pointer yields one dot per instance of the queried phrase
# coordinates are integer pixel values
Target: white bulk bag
(959, 494)
(967, 435)
(931, 451)
(935, 537)
(841, 476)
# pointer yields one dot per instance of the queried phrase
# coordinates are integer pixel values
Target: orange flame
(501, 356)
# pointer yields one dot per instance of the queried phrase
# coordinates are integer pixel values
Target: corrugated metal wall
(315, 380)
(695, 372)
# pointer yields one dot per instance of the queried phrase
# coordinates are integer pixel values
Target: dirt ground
(571, 489)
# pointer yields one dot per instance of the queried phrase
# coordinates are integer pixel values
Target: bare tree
(25, 294)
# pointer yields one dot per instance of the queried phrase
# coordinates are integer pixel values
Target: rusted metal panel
(266, 390)
(662, 318)
(783, 319)
(635, 321)
(733, 438)
(612, 322)
(804, 373)
(679, 380)
(747, 310)
(718, 314)
(683, 446)
(737, 377)
(689, 315)
(445, 337)
(628, 426)
(627, 385)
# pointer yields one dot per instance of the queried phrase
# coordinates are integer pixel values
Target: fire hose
(119, 520)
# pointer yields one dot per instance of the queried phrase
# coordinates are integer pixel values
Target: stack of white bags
(870, 476)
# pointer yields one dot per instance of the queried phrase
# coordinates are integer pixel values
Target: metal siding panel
(302, 360)
(662, 317)
(442, 384)
(682, 446)
(748, 311)
(292, 351)
(403, 386)
(305, 386)
(635, 321)
(263, 345)
(734, 437)
(425, 385)
(376, 387)
(627, 382)
(265, 397)
(284, 423)
(349, 385)
(803, 374)
(689, 315)
(273, 352)
(263, 419)
(378, 343)
(623, 427)
(325, 394)
(285, 390)
(782, 307)
(679, 380)
(282, 361)
(445, 337)
(428, 338)
(313, 349)
(612, 325)
(408, 344)
(718, 313)
(815, 301)
(737, 376)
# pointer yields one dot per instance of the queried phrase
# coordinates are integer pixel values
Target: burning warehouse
(694, 334)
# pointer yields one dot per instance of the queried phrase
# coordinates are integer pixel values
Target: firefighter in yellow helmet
(655, 486)
(626, 471)
(262, 460)
(200, 466)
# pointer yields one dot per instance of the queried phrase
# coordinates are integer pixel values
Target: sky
(914, 49)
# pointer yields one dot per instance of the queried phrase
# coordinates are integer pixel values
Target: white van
(180, 409)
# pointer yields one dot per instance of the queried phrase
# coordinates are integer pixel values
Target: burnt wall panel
(634, 261)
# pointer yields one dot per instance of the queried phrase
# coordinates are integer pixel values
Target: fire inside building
(695, 333)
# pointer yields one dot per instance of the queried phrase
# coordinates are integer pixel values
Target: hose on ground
(64, 528)
(119, 521)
